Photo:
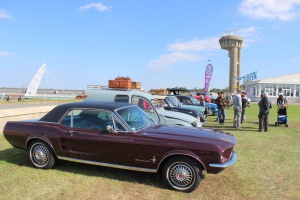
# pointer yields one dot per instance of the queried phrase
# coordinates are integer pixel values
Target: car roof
(56, 113)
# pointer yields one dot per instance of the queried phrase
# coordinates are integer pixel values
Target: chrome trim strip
(108, 165)
(224, 165)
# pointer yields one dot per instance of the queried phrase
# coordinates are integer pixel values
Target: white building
(288, 85)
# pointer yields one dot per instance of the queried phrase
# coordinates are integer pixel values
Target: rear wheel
(41, 155)
(182, 174)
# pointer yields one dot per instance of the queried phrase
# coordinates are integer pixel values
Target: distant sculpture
(233, 44)
(35, 82)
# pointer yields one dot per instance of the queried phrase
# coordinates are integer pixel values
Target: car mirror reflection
(110, 128)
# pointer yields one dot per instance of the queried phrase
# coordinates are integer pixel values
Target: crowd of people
(240, 102)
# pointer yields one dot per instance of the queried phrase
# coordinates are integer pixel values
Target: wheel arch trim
(180, 153)
(29, 140)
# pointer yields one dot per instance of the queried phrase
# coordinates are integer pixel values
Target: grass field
(267, 167)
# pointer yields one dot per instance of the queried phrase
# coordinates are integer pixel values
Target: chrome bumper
(224, 165)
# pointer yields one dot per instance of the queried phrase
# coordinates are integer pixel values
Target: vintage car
(122, 135)
(172, 103)
(210, 108)
(190, 100)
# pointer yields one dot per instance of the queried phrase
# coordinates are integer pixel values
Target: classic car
(210, 108)
(172, 103)
(188, 100)
(122, 135)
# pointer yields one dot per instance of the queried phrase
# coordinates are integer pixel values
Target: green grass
(267, 167)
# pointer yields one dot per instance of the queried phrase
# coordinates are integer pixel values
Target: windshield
(172, 101)
(156, 103)
(163, 102)
(135, 117)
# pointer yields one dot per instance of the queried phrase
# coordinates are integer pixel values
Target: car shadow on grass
(20, 158)
(230, 128)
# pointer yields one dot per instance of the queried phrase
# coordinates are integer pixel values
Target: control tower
(233, 44)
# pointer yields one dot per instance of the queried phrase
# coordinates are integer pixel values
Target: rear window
(122, 98)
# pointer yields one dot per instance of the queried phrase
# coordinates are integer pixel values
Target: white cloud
(98, 6)
(6, 54)
(182, 50)
(249, 35)
(4, 15)
(245, 32)
(165, 61)
(196, 45)
(271, 9)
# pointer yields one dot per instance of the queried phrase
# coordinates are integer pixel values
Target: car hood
(191, 134)
(194, 107)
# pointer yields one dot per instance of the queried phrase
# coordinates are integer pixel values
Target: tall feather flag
(208, 74)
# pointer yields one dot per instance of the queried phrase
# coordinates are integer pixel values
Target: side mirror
(110, 128)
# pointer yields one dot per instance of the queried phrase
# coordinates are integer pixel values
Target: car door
(87, 138)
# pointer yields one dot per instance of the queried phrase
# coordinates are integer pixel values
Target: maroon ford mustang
(123, 136)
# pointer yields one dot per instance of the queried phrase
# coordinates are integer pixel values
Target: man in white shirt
(237, 106)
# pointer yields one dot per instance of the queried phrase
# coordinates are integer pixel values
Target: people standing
(228, 98)
(244, 106)
(264, 107)
(237, 106)
(221, 102)
(280, 100)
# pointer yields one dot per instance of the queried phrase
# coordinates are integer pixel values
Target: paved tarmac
(26, 105)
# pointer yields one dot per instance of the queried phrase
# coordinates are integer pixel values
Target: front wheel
(41, 155)
(182, 174)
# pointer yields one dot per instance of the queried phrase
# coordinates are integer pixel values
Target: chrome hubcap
(40, 155)
(181, 175)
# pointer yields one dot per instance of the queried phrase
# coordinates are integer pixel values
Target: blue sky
(158, 43)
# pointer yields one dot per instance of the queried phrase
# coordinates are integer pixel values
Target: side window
(111, 121)
(92, 119)
(122, 98)
(69, 118)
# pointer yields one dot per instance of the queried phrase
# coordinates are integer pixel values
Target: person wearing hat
(237, 107)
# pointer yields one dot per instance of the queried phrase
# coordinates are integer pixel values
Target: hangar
(288, 85)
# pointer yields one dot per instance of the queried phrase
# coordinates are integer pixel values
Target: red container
(125, 84)
(120, 84)
(113, 84)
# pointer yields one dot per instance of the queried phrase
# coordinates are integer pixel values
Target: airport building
(288, 85)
